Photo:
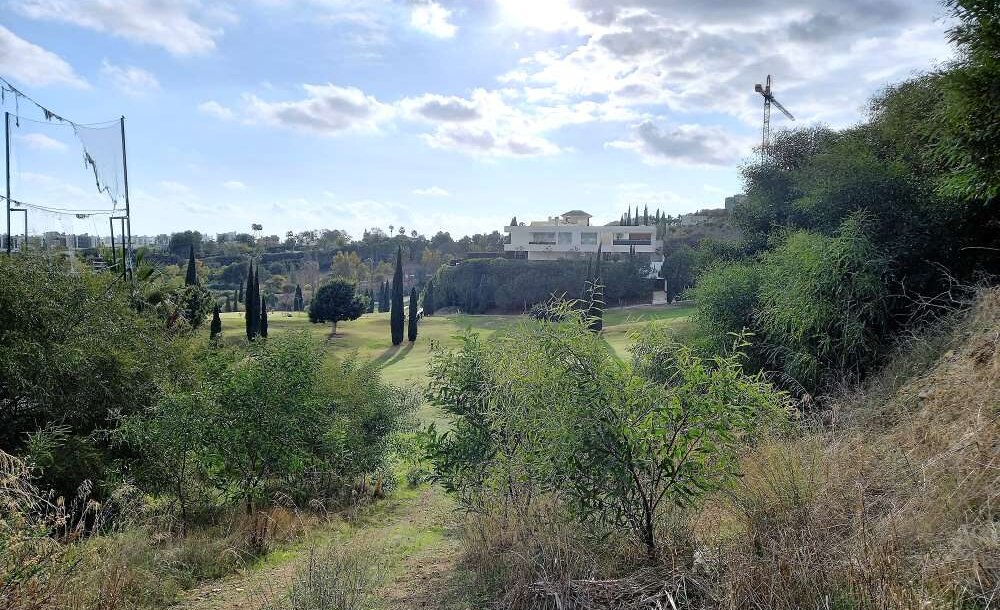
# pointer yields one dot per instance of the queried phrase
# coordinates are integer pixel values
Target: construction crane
(765, 92)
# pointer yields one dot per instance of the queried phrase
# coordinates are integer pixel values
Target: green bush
(544, 407)
(75, 357)
(823, 304)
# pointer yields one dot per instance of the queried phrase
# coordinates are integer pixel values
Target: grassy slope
(407, 364)
(422, 550)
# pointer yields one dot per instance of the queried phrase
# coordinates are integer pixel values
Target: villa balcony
(633, 242)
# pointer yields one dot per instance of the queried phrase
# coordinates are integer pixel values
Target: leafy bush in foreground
(544, 408)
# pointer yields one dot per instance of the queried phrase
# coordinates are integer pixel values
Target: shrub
(545, 408)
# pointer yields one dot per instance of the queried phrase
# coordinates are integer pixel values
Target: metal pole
(24, 246)
(6, 129)
(114, 253)
(128, 213)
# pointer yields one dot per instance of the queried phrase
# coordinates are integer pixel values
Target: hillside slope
(896, 503)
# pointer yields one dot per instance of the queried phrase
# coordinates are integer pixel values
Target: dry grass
(892, 502)
(50, 557)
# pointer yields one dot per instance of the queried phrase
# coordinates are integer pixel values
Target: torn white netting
(103, 155)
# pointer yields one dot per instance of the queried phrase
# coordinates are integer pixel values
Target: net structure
(59, 212)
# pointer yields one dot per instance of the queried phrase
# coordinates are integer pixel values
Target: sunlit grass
(406, 364)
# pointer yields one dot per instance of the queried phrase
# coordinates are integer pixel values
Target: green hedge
(480, 285)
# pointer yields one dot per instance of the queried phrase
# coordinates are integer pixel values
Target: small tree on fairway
(297, 303)
(595, 294)
(429, 299)
(411, 323)
(336, 302)
(396, 311)
(192, 273)
(371, 301)
(229, 304)
(262, 329)
(216, 328)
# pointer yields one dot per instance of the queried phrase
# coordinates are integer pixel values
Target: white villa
(571, 236)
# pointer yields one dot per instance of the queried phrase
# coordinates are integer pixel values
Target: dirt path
(416, 529)
(431, 577)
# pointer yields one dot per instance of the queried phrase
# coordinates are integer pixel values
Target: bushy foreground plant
(545, 408)
(75, 356)
(271, 418)
(818, 306)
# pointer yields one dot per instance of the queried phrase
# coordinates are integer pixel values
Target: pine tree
(411, 323)
(249, 312)
(216, 327)
(263, 319)
(396, 311)
(192, 273)
(429, 299)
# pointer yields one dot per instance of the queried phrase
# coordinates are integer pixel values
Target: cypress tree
(429, 299)
(411, 323)
(256, 302)
(192, 273)
(513, 221)
(229, 304)
(297, 304)
(396, 311)
(216, 327)
(249, 312)
(263, 319)
(239, 293)
(645, 215)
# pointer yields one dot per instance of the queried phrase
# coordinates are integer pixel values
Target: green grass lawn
(406, 364)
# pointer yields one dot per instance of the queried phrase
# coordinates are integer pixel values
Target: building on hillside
(733, 201)
(572, 236)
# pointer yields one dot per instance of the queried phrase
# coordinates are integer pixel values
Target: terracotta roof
(577, 213)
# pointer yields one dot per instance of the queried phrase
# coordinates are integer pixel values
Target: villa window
(548, 238)
(565, 238)
(588, 239)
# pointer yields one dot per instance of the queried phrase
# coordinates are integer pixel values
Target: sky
(430, 114)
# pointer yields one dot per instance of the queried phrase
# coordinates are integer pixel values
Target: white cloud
(40, 141)
(326, 109)
(683, 144)
(33, 65)
(697, 58)
(483, 125)
(184, 27)
(234, 185)
(432, 18)
(214, 108)
(434, 191)
(546, 16)
(130, 79)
